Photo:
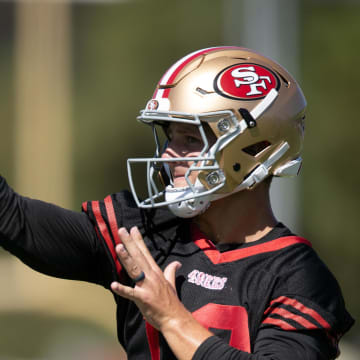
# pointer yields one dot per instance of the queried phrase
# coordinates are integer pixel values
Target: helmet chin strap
(186, 208)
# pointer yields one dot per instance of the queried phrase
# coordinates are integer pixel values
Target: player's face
(184, 141)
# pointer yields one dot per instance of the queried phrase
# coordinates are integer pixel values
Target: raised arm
(48, 238)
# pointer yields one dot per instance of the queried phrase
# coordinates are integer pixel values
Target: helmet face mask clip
(249, 120)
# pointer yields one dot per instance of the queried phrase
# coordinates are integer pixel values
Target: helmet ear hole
(236, 167)
(256, 148)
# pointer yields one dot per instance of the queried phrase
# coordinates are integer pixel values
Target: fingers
(131, 266)
(155, 293)
(131, 255)
(124, 291)
(137, 237)
(138, 261)
(170, 272)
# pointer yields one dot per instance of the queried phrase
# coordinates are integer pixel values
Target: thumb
(170, 272)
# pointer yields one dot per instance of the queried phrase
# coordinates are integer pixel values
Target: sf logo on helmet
(246, 82)
(152, 104)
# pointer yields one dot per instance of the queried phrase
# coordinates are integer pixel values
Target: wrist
(184, 335)
(176, 324)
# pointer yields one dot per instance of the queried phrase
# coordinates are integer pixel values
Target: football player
(200, 268)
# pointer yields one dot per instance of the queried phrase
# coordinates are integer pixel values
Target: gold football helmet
(254, 107)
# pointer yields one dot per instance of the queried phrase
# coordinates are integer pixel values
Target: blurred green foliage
(34, 335)
(7, 67)
(331, 173)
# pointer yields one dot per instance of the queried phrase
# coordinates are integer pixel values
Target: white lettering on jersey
(206, 280)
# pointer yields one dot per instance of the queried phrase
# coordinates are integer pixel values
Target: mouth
(179, 176)
(178, 172)
(179, 181)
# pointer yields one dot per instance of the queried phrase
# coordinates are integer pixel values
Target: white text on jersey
(206, 280)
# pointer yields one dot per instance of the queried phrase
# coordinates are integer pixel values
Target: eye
(192, 140)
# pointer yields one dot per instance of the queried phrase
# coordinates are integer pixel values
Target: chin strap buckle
(249, 119)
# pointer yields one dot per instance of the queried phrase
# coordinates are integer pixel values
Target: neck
(240, 218)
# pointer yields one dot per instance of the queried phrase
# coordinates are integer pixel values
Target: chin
(180, 182)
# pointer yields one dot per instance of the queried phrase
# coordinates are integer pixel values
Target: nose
(169, 152)
(172, 152)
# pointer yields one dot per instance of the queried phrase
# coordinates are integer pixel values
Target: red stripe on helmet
(183, 63)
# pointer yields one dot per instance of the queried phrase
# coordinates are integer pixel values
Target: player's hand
(155, 294)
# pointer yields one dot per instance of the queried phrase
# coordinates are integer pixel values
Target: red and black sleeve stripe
(106, 226)
(290, 314)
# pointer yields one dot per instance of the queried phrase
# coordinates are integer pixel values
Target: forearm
(184, 335)
(49, 239)
(215, 348)
(271, 344)
(188, 339)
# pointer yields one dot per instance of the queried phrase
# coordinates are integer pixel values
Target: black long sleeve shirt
(80, 246)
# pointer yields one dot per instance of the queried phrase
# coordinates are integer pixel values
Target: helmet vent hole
(236, 167)
(257, 148)
(202, 91)
(287, 82)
